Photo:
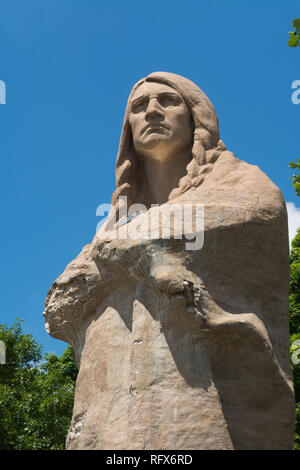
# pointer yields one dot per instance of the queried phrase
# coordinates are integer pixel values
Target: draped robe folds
(184, 349)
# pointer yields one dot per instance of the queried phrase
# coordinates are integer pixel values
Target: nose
(154, 109)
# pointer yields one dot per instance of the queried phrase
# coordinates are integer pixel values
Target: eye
(139, 105)
(169, 100)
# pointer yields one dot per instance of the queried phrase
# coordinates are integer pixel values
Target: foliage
(296, 177)
(294, 40)
(294, 302)
(294, 299)
(36, 398)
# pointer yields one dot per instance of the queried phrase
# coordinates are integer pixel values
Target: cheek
(135, 124)
(133, 128)
(183, 124)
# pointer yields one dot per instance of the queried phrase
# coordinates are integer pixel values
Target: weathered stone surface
(178, 348)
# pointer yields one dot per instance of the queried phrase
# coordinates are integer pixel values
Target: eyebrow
(167, 93)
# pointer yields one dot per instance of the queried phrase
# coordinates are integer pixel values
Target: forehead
(153, 88)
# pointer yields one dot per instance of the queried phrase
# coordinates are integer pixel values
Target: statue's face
(160, 121)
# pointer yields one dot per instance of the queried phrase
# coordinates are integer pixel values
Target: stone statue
(180, 348)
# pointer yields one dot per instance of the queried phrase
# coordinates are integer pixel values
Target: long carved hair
(206, 147)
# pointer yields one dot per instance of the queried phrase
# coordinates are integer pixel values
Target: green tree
(296, 177)
(294, 302)
(294, 39)
(36, 394)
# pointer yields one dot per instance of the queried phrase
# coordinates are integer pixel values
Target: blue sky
(69, 66)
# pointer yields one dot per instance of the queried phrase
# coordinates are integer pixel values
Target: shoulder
(240, 180)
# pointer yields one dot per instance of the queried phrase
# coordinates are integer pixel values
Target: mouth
(155, 128)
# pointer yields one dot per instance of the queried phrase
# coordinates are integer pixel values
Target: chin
(154, 140)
